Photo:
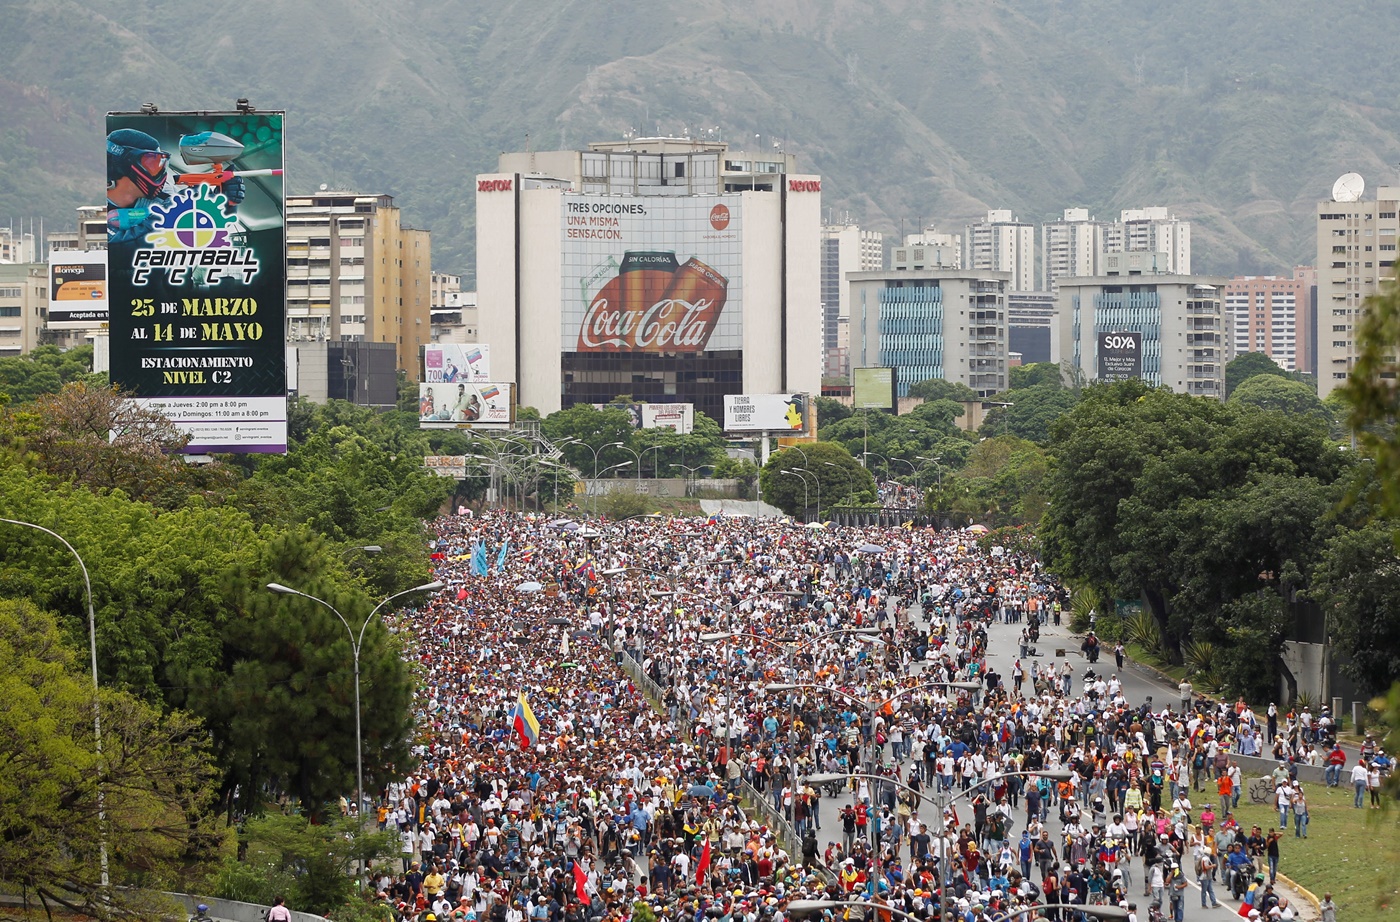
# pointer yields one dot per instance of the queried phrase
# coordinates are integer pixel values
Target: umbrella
(701, 790)
(572, 526)
(977, 529)
(530, 586)
(870, 549)
(815, 525)
(561, 523)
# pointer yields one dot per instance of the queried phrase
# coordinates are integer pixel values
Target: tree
(895, 442)
(938, 389)
(845, 482)
(1247, 365)
(1034, 375)
(1372, 392)
(591, 430)
(830, 410)
(46, 370)
(1270, 392)
(1030, 411)
(147, 796)
(1358, 585)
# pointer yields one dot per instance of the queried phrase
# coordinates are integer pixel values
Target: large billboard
(677, 416)
(77, 289)
(1120, 356)
(465, 405)
(196, 246)
(652, 274)
(873, 388)
(765, 412)
(452, 362)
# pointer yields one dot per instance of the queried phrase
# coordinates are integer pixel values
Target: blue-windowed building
(1178, 321)
(932, 323)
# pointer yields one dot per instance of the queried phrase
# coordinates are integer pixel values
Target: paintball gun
(211, 147)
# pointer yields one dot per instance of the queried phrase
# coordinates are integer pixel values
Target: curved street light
(355, 644)
(96, 700)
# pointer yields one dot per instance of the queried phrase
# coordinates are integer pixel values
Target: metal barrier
(758, 803)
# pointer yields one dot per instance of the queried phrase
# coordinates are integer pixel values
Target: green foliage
(1032, 409)
(1035, 375)
(583, 432)
(826, 466)
(895, 443)
(1256, 626)
(623, 504)
(1372, 392)
(740, 469)
(830, 411)
(307, 863)
(1271, 392)
(1358, 585)
(938, 389)
(1002, 482)
(154, 773)
(1191, 505)
(1248, 365)
(45, 370)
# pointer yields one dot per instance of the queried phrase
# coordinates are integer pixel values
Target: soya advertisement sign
(196, 254)
(452, 362)
(78, 290)
(465, 405)
(1120, 356)
(651, 274)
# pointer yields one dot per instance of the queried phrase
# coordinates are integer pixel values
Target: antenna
(1348, 187)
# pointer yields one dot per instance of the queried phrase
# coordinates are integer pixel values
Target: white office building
(1002, 244)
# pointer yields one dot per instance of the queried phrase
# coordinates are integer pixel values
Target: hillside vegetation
(1238, 116)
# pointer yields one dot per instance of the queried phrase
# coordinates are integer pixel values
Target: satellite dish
(1348, 188)
(324, 187)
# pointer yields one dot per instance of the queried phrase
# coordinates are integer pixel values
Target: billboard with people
(465, 404)
(196, 247)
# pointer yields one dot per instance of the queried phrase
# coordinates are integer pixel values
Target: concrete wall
(666, 486)
(219, 910)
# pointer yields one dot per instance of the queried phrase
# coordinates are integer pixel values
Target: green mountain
(1236, 115)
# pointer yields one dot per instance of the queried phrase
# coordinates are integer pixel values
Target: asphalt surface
(1138, 683)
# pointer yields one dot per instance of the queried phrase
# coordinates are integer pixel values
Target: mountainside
(1237, 115)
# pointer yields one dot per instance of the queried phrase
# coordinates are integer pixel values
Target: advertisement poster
(1120, 356)
(677, 416)
(452, 362)
(651, 274)
(465, 404)
(765, 412)
(454, 466)
(78, 290)
(196, 246)
(873, 388)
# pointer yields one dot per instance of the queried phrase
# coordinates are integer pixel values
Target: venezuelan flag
(525, 723)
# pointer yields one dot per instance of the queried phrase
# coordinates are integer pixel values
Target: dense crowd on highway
(780, 659)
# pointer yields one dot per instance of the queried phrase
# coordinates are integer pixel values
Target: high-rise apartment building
(1355, 254)
(354, 272)
(24, 306)
(928, 250)
(1180, 319)
(846, 248)
(1152, 230)
(1070, 247)
(932, 323)
(1002, 244)
(1270, 314)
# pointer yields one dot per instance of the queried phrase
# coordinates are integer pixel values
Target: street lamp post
(794, 472)
(944, 802)
(96, 702)
(356, 641)
(636, 454)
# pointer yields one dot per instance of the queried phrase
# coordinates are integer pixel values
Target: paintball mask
(137, 156)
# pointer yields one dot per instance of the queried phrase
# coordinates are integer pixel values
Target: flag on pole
(581, 884)
(501, 557)
(524, 722)
(703, 867)
(479, 567)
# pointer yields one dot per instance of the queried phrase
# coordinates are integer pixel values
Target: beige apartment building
(356, 273)
(1355, 254)
(24, 306)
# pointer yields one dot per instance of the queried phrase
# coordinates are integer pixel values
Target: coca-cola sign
(661, 278)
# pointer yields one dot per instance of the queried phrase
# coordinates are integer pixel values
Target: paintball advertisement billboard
(765, 412)
(196, 247)
(1120, 356)
(465, 405)
(78, 290)
(651, 274)
(448, 363)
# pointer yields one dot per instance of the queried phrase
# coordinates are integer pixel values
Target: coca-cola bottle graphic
(686, 315)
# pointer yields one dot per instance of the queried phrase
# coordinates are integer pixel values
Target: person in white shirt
(1358, 779)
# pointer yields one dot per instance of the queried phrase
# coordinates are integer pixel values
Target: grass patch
(1141, 654)
(1354, 854)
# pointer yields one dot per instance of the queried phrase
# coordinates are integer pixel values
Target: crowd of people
(776, 652)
